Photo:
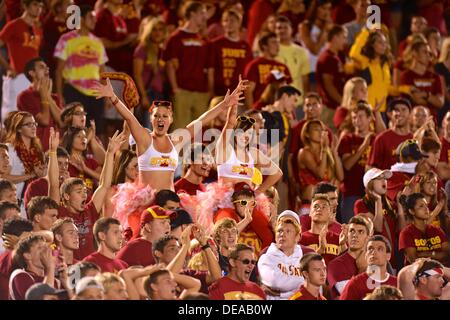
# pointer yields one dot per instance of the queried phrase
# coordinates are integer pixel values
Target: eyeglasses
(162, 103)
(79, 113)
(246, 202)
(30, 124)
(248, 261)
(246, 119)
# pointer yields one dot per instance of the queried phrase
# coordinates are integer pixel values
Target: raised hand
(200, 234)
(103, 90)
(237, 95)
(53, 140)
(343, 235)
(116, 141)
(185, 237)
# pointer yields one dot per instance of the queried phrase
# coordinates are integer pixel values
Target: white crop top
(153, 160)
(233, 168)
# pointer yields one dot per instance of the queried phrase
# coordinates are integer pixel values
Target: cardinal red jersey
(304, 294)
(227, 289)
(106, 264)
(361, 285)
(312, 240)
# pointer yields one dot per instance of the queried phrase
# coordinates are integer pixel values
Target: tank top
(233, 168)
(154, 160)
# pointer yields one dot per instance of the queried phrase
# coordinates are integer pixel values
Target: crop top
(153, 160)
(233, 168)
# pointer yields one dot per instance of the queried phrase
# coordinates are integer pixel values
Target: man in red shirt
(228, 55)
(186, 57)
(42, 212)
(427, 87)
(22, 37)
(354, 149)
(155, 223)
(36, 264)
(65, 233)
(323, 241)
(39, 100)
(39, 187)
(254, 231)
(353, 261)
(74, 195)
(382, 155)
(378, 253)
(314, 270)
(258, 70)
(200, 165)
(13, 227)
(330, 73)
(108, 236)
(236, 285)
(7, 211)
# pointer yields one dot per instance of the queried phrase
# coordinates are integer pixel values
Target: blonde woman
(355, 90)
(147, 70)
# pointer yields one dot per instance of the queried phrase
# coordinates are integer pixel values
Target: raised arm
(190, 284)
(97, 149)
(53, 168)
(268, 168)
(107, 172)
(139, 133)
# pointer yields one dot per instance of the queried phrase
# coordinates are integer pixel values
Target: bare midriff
(158, 180)
(232, 181)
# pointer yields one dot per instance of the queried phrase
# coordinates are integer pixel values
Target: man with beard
(378, 253)
(108, 235)
(385, 144)
(199, 167)
(314, 270)
(279, 266)
(65, 233)
(236, 285)
(425, 279)
(353, 261)
(155, 223)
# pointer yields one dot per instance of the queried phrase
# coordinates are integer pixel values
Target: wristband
(206, 246)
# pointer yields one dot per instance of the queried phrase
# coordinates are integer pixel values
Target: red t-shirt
(22, 280)
(304, 294)
(114, 28)
(192, 52)
(85, 223)
(257, 15)
(383, 155)
(90, 183)
(35, 188)
(360, 286)
(5, 272)
(257, 234)
(23, 42)
(341, 268)
(137, 252)
(258, 71)
(445, 151)
(353, 178)
(428, 82)
(30, 101)
(305, 222)
(330, 63)
(106, 264)
(312, 240)
(228, 59)
(396, 184)
(183, 185)
(200, 275)
(339, 116)
(431, 240)
(227, 289)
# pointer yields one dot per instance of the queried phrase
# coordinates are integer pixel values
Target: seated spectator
(317, 160)
(8, 192)
(314, 270)
(39, 100)
(42, 212)
(7, 211)
(108, 236)
(236, 285)
(279, 267)
(154, 223)
(319, 238)
(42, 291)
(353, 261)
(65, 233)
(385, 293)
(113, 285)
(88, 288)
(378, 254)
(420, 239)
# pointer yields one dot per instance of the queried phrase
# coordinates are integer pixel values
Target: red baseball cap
(242, 186)
(152, 213)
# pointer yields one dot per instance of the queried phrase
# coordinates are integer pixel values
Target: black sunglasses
(248, 261)
(162, 103)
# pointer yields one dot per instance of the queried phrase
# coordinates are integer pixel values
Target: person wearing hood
(279, 266)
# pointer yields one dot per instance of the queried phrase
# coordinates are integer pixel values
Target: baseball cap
(288, 214)
(409, 149)
(375, 173)
(396, 101)
(152, 213)
(180, 217)
(86, 283)
(39, 290)
(242, 186)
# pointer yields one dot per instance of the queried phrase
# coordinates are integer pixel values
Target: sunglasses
(246, 119)
(30, 124)
(248, 261)
(79, 113)
(245, 202)
(162, 103)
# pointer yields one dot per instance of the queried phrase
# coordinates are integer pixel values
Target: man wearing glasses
(236, 285)
(252, 224)
(22, 37)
